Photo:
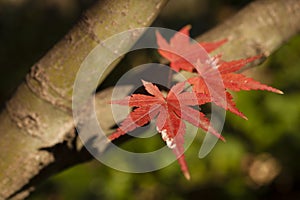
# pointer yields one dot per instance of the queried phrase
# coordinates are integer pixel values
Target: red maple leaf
(213, 72)
(181, 52)
(170, 111)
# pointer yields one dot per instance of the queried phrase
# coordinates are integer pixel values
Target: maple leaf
(170, 111)
(215, 69)
(181, 52)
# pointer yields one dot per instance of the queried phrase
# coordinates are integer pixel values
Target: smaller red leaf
(137, 118)
(211, 46)
(153, 89)
(181, 52)
(177, 38)
(232, 107)
(235, 65)
(217, 72)
(237, 82)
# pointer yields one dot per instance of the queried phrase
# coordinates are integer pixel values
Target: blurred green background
(260, 159)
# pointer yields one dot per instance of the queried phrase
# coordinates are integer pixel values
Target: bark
(37, 132)
(36, 127)
(260, 28)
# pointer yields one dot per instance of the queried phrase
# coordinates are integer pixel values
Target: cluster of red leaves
(213, 78)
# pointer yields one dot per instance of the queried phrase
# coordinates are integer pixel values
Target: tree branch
(260, 28)
(36, 127)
